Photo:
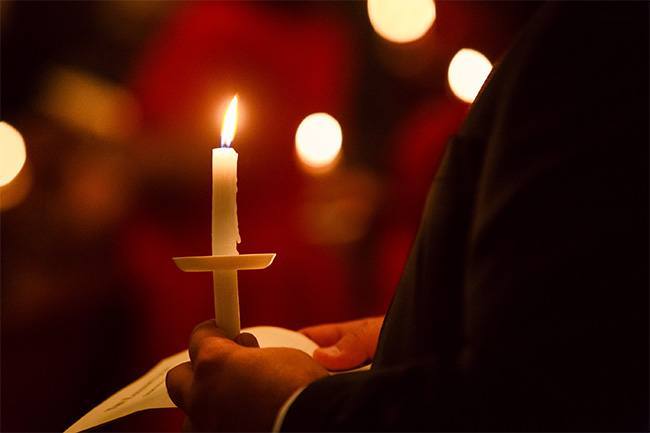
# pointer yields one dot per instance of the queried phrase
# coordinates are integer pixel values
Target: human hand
(345, 345)
(234, 385)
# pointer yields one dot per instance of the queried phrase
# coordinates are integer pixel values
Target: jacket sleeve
(555, 288)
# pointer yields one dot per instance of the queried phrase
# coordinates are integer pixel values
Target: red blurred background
(117, 103)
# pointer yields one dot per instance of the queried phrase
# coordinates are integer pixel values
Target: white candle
(225, 229)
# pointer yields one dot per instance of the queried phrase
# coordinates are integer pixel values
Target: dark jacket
(524, 304)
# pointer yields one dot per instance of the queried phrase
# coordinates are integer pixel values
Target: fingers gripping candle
(225, 228)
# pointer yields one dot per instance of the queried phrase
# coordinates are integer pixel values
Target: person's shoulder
(569, 56)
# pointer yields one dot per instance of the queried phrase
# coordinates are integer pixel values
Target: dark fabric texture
(524, 303)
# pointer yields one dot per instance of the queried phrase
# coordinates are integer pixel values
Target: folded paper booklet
(150, 392)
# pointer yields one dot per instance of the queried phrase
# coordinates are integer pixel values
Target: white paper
(150, 392)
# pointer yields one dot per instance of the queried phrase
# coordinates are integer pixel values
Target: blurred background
(109, 111)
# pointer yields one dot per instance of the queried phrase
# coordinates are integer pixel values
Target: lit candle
(225, 229)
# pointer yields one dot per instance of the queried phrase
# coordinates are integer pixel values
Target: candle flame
(229, 125)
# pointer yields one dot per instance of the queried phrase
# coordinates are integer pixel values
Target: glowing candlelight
(229, 124)
(225, 229)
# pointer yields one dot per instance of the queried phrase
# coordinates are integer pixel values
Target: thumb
(247, 339)
(347, 353)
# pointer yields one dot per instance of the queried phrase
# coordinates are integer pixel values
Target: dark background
(117, 101)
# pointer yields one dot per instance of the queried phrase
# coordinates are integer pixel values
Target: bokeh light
(401, 21)
(12, 153)
(89, 104)
(318, 141)
(467, 73)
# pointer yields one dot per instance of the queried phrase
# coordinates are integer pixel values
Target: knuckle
(208, 358)
(200, 326)
(365, 324)
(362, 327)
(169, 382)
(357, 333)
